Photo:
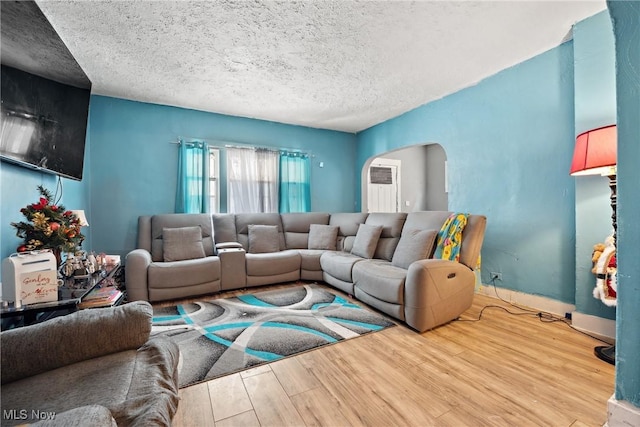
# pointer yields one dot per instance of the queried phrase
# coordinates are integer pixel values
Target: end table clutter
(32, 292)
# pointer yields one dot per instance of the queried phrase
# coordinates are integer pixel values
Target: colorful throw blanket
(449, 239)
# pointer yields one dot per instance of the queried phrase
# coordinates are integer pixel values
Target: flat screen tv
(44, 123)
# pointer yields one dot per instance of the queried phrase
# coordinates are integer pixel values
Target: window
(214, 180)
(252, 180)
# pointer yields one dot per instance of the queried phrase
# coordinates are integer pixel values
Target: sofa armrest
(437, 291)
(228, 245)
(65, 340)
(233, 268)
(136, 265)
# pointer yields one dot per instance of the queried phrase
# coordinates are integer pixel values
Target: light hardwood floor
(504, 370)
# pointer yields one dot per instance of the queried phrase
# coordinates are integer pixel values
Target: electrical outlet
(496, 275)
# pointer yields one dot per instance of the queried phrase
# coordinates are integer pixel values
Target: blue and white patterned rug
(222, 336)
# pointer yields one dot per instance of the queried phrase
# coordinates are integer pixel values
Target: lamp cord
(542, 315)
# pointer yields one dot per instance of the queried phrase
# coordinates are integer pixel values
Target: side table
(70, 294)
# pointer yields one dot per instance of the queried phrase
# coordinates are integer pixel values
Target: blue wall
(18, 188)
(626, 20)
(134, 171)
(595, 106)
(509, 142)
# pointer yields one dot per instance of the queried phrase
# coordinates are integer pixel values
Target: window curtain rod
(226, 144)
(189, 141)
(275, 150)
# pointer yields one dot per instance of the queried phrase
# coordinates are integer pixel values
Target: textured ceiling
(29, 43)
(341, 65)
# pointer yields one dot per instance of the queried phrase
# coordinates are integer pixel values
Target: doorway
(384, 185)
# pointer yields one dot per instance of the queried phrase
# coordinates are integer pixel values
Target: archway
(421, 178)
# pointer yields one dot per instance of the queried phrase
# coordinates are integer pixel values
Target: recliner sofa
(382, 259)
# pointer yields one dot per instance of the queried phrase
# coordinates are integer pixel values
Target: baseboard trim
(597, 326)
(622, 413)
(532, 301)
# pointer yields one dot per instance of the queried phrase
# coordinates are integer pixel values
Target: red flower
(54, 208)
(54, 226)
(39, 206)
(67, 213)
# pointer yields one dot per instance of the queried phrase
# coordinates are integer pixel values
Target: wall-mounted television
(45, 95)
(44, 123)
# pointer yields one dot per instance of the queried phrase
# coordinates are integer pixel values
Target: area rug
(222, 336)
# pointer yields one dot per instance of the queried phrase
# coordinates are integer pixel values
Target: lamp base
(606, 353)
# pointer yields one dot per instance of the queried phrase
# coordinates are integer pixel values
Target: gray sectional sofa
(382, 259)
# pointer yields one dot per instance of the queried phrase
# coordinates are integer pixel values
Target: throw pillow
(179, 244)
(366, 240)
(263, 239)
(323, 237)
(414, 245)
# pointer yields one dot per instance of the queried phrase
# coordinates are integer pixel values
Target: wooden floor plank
(194, 408)
(503, 370)
(245, 419)
(318, 408)
(270, 402)
(294, 377)
(228, 397)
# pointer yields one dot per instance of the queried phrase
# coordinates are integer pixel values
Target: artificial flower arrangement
(48, 226)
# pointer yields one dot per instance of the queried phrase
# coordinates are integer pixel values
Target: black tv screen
(44, 123)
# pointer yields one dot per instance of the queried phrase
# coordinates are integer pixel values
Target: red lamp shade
(595, 152)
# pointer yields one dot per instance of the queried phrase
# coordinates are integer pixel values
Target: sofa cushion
(272, 264)
(224, 227)
(296, 227)
(183, 273)
(339, 264)
(381, 280)
(32, 348)
(80, 384)
(263, 239)
(366, 240)
(323, 237)
(414, 245)
(310, 259)
(179, 244)
(348, 223)
(139, 387)
(392, 224)
(244, 220)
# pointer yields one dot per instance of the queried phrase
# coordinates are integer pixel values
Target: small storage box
(29, 278)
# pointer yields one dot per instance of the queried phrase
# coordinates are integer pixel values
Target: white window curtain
(252, 180)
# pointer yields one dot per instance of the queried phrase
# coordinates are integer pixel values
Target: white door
(383, 194)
